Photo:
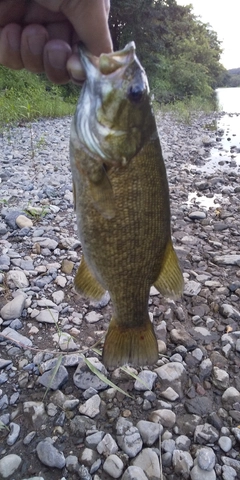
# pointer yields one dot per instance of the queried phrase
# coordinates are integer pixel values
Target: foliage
(232, 78)
(25, 96)
(180, 53)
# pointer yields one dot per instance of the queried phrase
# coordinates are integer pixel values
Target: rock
(192, 288)
(205, 433)
(14, 308)
(197, 215)
(220, 378)
(23, 222)
(206, 458)
(145, 380)
(182, 462)
(172, 375)
(9, 464)
(113, 465)
(58, 297)
(88, 457)
(148, 461)
(36, 411)
(149, 431)
(83, 378)
(67, 266)
(107, 446)
(93, 317)
(54, 379)
(14, 433)
(198, 474)
(91, 407)
(230, 396)
(225, 443)
(228, 473)
(16, 337)
(49, 455)
(128, 437)
(165, 417)
(227, 259)
(65, 341)
(228, 311)
(134, 473)
(18, 278)
(48, 316)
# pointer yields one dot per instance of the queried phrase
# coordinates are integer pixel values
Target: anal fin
(170, 280)
(134, 346)
(86, 284)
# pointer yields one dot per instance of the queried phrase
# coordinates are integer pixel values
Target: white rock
(18, 278)
(107, 446)
(149, 431)
(113, 465)
(93, 317)
(58, 296)
(148, 461)
(8, 465)
(192, 288)
(16, 337)
(166, 417)
(91, 407)
(225, 443)
(220, 378)
(14, 308)
(23, 222)
(48, 316)
(134, 473)
(198, 474)
(170, 394)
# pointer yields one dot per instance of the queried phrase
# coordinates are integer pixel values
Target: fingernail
(75, 70)
(57, 59)
(36, 44)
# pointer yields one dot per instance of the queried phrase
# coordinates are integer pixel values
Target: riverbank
(192, 398)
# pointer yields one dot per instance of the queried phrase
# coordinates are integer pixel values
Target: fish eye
(135, 93)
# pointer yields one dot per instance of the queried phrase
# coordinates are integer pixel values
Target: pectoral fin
(86, 284)
(102, 194)
(170, 280)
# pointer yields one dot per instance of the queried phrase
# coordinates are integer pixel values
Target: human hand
(41, 35)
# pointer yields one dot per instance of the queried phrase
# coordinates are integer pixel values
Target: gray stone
(87, 457)
(228, 473)
(113, 465)
(206, 458)
(149, 431)
(93, 317)
(225, 443)
(14, 433)
(128, 437)
(48, 316)
(220, 378)
(49, 455)
(134, 473)
(205, 433)
(107, 446)
(72, 464)
(36, 411)
(14, 308)
(18, 278)
(83, 378)
(80, 424)
(182, 462)
(91, 407)
(230, 396)
(198, 474)
(183, 442)
(227, 259)
(231, 462)
(52, 379)
(228, 311)
(165, 417)
(192, 288)
(16, 337)
(148, 461)
(9, 464)
(94, 440)
(145, 380)
(172, 375)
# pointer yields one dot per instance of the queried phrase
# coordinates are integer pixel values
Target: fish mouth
(108, 63)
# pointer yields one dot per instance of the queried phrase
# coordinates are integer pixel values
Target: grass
(183, 110)
(25, 97)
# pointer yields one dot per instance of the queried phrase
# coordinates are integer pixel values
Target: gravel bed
(58, 420)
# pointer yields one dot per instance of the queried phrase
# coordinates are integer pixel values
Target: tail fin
(136, 346)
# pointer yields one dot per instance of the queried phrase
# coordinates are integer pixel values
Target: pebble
(14, 308)
(113, 465)
(128, 437)
(148, 461)
(9, 464)
(49, 455)
(134, 473)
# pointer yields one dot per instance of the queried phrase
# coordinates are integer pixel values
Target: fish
(121, 200)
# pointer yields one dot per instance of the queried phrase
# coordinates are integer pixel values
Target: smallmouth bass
(121, 201)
